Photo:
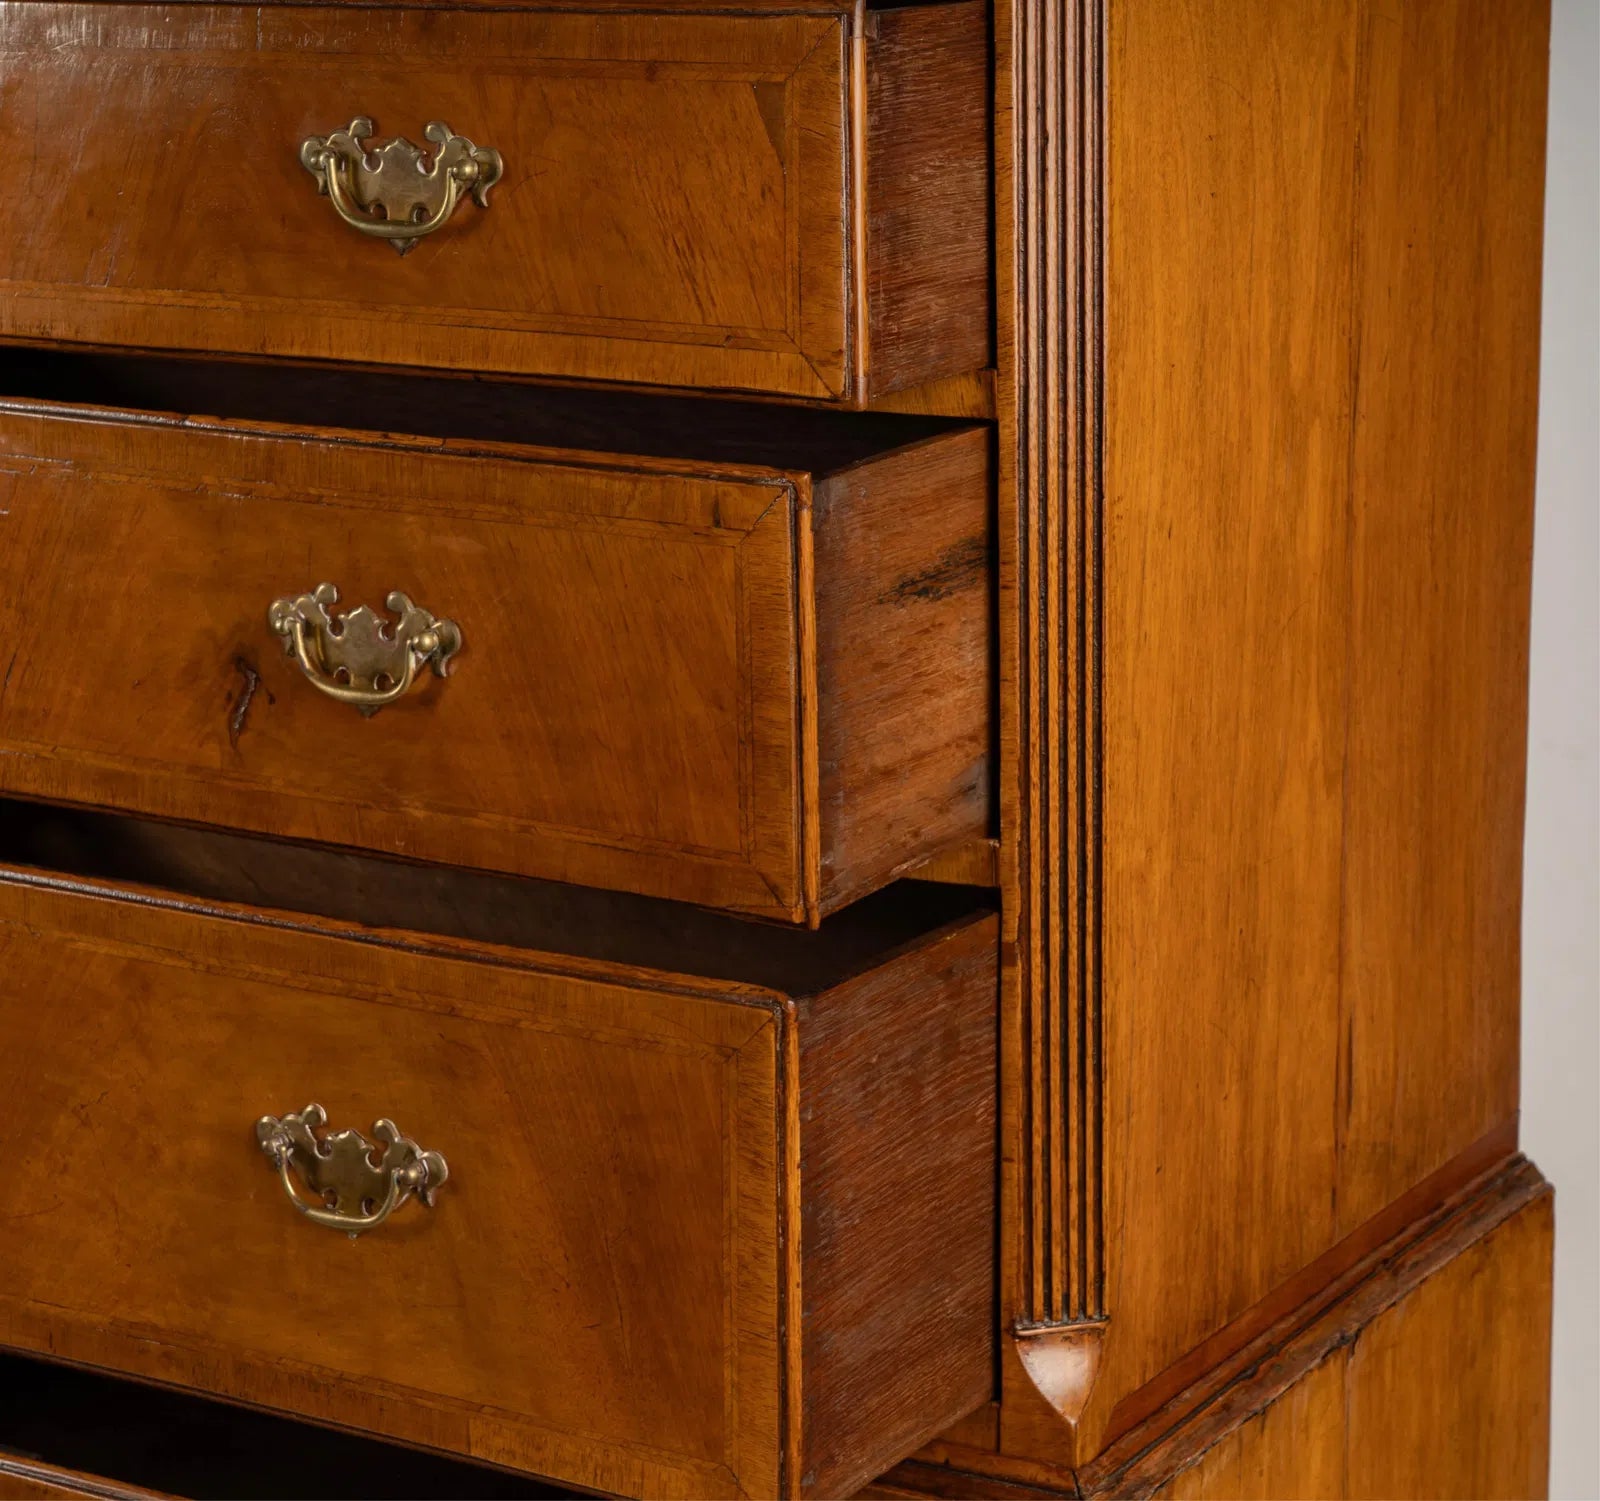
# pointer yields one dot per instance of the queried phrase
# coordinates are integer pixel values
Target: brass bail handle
(396, 193)
(357, 1184)
(357, 657)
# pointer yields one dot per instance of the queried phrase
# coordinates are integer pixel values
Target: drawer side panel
(898, 1194)
(906, 688)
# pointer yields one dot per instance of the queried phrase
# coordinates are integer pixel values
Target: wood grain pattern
(627, 711)
(671, 211)
(1448, 244)
(1448, 1393)
(1294, 1451)
(904, 589)
(927, 193)
(622, 1145)
(1049, 124)
(1420, 1381)
(1424, 1372)
(1430, 1379)
(973, 863)
(1266, 275)
(1322, 1278)
(1298, 1448)
(876, 1200)
(1227, 488)
(1314, 443)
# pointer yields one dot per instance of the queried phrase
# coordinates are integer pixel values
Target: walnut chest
(766, 748)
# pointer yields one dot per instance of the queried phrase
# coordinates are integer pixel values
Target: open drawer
(737, 656)
(712, 1201)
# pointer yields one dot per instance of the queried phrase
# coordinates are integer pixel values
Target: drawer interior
(461, 408)
(206, 865)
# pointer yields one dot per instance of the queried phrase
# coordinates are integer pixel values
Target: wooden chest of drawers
(769, 748)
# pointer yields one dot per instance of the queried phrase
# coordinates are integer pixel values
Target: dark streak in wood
(958, 568)
(247, 694)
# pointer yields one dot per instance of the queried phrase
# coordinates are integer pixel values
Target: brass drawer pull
(357, 657)
(358, 1188)
(396, 193)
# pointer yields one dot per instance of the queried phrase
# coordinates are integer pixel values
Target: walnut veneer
(1078, 452)
(764, 194)
(723, 741)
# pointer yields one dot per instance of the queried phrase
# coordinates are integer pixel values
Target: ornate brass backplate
(356, 656)
(357, 1183)
(397, 192)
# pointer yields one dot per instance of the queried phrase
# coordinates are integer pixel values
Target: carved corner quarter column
(1050, 144)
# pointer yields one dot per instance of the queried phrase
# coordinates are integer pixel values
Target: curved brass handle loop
(357, 657)
(395, 193)
(359, 1183)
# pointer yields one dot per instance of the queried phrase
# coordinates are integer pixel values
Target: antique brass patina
(356, 656)
(396, 193)
(359, 1183)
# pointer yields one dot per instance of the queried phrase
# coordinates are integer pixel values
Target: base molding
(1424, 1368)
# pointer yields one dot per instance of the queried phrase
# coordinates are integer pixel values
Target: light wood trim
(31, 1480)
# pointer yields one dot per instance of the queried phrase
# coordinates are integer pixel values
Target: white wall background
(1561, 949)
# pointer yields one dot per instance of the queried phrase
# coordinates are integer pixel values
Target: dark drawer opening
(465, 409)
(152, 1439)
(169, 862)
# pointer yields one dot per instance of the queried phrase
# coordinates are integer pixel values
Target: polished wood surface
(1326, 1405)
(677, 1191)
(735, 201)
(1491, 1238)
(1326, 1409)
(705, 680)
(1448, 1394)
(1227, 579)
(1048, 120)
(927, 251)
(1207, 651)
(1422, 1372)
(1303, 654)
(1265, 501)
(1440, 532)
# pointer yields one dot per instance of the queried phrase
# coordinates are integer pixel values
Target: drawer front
(625, 710)
(671, 205)
(615, 1286)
